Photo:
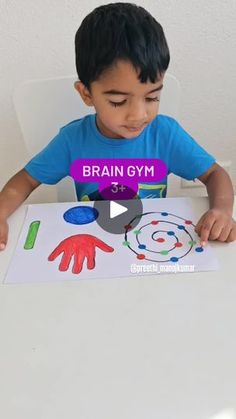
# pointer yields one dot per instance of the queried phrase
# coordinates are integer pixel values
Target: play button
(118, 216)
(116, 209)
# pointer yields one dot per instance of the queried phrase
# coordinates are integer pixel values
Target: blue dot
(164, 214)
(180, 227)
(170, 233)
(80, 215)
(174, 259)
(199, 249)
(142, 246)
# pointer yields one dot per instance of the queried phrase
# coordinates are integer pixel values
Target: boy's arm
(217, 223)
(16, 190)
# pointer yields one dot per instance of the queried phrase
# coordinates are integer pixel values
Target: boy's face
(123, 104)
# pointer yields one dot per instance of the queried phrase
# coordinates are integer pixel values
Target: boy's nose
(137, 115)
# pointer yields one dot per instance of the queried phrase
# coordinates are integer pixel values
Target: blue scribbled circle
(80, 215)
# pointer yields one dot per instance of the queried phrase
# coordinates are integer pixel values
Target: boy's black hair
(120, 31)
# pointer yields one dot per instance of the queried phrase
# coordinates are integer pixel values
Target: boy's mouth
(133, 129)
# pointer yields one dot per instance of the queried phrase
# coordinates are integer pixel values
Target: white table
(136, 348)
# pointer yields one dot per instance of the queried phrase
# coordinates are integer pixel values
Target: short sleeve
(187, 158)
(52, 163)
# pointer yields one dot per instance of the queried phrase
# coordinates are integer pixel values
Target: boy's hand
(216, 224)
(3, 234)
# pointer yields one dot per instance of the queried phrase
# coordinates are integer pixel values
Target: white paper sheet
(161, 243)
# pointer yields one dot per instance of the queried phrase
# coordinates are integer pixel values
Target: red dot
(188, 222)
(140, 256)
(160, 240)
(178, 244)
(128, 227)
(154, 222)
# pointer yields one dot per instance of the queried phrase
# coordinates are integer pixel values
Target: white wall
(37, 41)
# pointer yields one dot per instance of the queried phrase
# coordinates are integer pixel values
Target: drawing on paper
(67, 243)
(161, 237)
(78, 247)
(31, 235)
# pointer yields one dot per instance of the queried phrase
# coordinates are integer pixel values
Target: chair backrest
(44, 106)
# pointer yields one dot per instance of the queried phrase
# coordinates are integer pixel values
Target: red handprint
(79, 246)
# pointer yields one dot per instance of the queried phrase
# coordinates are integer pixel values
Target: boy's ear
(84, 92)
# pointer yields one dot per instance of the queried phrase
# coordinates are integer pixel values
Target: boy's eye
(148, 99)
(117, 103)
(153, 99)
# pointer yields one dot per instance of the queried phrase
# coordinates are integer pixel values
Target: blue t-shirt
(163, 139)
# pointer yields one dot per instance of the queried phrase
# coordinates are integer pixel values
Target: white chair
(44, 106)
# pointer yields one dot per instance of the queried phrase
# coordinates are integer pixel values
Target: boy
(121, 59)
